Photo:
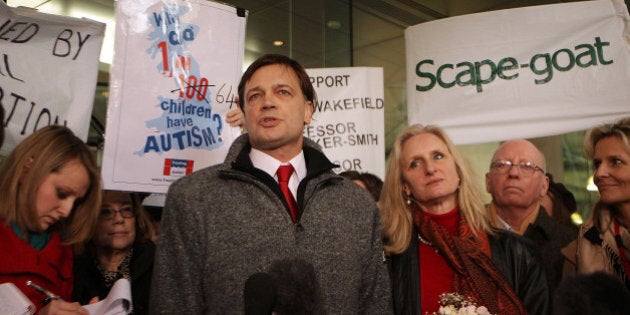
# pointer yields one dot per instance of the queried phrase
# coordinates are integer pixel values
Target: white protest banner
(48, 72)
(175, 74)
(348, 122)
(520, 73)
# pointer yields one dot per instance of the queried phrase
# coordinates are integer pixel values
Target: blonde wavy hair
(619, 129)
(396, 215)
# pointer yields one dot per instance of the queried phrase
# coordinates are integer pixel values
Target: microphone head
(297, 287)
(259, 294)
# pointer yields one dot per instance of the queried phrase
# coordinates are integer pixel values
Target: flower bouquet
(456, 304)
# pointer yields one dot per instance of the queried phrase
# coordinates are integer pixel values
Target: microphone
(297, 287)
(259, 294)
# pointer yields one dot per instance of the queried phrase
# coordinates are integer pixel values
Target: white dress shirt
(269, 165)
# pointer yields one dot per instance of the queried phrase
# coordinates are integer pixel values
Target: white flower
(455, 304)
(482, 310)
(467, 310)
(447, 310)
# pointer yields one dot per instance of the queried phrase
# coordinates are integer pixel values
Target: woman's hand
(59, 307)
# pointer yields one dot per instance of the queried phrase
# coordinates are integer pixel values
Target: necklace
(426, 242)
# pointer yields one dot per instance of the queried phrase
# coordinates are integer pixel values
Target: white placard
(348, 122)
(48, 71)
(520, 73)
(175, 74)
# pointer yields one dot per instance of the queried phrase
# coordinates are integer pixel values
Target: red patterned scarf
(474, 273)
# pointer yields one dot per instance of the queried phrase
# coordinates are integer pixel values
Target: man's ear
(308, 112)
(545, 186)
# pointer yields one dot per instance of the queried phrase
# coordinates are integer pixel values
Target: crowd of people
(273, 229)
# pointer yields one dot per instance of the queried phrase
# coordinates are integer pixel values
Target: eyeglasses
(125, 212)
(526, 168)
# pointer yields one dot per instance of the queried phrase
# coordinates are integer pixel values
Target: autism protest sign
(520, 73)
(174, 77)
(348, 121)
(48, 71)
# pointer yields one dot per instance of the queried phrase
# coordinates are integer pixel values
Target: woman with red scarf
(438, 237)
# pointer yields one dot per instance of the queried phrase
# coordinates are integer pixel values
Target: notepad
(13, 301)
(117, 302)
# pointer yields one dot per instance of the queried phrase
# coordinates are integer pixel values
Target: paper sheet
(117, 302)
(13, 301)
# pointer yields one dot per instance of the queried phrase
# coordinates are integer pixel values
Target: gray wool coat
(226, 222)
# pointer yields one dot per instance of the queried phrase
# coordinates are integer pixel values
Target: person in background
(50, 188)
(517, 182)
(438, 235)
(560, 203)
(275, 197)
(153, 204)
(367, 181)
(603, 242)
(120, 247)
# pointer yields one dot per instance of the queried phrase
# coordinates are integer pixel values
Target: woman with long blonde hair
(603, 243)
(438, 237)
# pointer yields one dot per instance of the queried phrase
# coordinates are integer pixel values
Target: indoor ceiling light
(278, 43)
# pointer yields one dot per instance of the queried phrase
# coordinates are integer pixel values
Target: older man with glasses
(517, 182)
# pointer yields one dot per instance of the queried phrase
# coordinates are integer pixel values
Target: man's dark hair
(372, 183)
(351, 175)
(276, 59)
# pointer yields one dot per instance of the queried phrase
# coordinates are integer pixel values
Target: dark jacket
(88, 281)
(550, 236)
(512, 254)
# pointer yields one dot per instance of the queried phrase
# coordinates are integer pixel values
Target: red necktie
(284, 173)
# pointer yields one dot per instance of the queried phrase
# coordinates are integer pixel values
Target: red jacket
(50, 267)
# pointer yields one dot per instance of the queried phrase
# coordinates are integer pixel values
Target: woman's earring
(408, 200)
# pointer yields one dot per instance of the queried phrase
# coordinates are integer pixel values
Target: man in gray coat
(225, 223)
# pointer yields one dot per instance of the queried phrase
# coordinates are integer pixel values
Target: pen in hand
(49, 295)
